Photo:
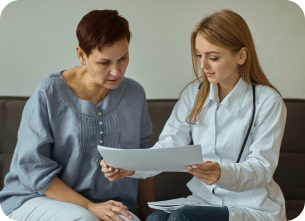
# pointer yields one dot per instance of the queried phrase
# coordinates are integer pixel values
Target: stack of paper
(171, 205)
(153, 159)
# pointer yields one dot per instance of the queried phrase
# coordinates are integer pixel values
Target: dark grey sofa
(290, 174)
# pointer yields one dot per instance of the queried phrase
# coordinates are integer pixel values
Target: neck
(90, 89)
(225, 87)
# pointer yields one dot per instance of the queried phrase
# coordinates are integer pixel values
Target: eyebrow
(210, 52)
(110, 60)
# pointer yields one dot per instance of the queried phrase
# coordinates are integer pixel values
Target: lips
(209, 74)
(113, 80)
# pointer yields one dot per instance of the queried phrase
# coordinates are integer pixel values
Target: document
(169, 159)
(171, 205)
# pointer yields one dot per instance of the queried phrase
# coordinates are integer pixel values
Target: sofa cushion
(10, 116)
(289, 173)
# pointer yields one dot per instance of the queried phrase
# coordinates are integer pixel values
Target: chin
(213, 81)
(113, 85)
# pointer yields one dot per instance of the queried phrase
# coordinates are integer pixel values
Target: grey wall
(37, 38)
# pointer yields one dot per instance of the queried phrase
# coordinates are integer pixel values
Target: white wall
(37, 38)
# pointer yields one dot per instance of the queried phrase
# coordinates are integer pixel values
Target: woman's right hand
(114, 174)
(110, 209)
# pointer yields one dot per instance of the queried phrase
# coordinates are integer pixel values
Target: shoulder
(189, 93)
(269, 104)
(134, 87)
(45, 92)
(45, 86)
(266, 94)
(135, 94)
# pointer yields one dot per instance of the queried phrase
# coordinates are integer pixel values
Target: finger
(113, 215)
(104, 164)
(121, 211)
(110, 174)
(110, 170)
(119, 204)
(114, 178)
(205, 172)
(207, 166)
(208, 179)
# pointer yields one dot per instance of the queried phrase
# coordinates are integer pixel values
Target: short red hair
(101, 27)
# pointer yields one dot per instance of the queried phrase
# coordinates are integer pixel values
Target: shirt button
(101, 141)
(100, 113)
(212, 135)
(211, 148)
(101, 132)
(101, 123)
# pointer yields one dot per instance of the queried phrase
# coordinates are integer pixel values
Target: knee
(158, 216)
(82, 214)
(178, 215)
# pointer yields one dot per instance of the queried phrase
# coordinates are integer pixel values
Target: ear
(82, 57)
(242, 55)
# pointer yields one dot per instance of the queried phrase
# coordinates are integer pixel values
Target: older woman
(55, 172)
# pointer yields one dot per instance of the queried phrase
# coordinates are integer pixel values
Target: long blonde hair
(228, 30)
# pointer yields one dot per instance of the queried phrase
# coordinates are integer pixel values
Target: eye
(214, 59)
(104, 63)
(198, 55)
(122, 59)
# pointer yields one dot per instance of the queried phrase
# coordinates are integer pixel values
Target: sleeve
(177, 131)
(146, 126)
(258, 168)
(35, 169)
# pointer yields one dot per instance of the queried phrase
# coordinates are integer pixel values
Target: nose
(204, 64)
(115, 70)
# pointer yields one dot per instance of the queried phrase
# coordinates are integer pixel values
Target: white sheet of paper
(157, 159)
(174, 202)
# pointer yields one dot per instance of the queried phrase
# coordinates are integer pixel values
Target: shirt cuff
(224, 178)
(137, 175)
(144, 174)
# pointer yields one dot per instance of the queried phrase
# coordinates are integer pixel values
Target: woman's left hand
(208, 172)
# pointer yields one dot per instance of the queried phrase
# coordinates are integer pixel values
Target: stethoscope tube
(248, 132)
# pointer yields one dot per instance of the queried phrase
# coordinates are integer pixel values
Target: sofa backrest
(289, 174)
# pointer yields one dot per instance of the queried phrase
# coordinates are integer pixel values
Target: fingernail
(116, 170)
(109, 168)
(121, 170)
(130, 217)
(186, 170)
(194, 166)
(104, 165)
(189, 168)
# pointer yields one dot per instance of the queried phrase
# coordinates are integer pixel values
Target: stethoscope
(249, 128)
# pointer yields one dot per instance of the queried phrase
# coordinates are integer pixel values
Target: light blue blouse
(59, 134)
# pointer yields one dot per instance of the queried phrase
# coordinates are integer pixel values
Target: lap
(43, 208)
(192, 213)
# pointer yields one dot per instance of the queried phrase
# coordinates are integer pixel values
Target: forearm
(244, 176)
(58, 190)
(146, 194)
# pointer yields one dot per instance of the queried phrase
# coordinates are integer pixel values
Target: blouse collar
(233, 101)
(107, 105)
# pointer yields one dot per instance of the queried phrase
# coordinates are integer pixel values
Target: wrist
(90, 206)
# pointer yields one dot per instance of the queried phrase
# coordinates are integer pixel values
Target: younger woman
(237, 117)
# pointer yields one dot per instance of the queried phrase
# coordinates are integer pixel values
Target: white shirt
(246, 188)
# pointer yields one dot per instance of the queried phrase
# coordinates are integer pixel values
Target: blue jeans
(192, 213)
